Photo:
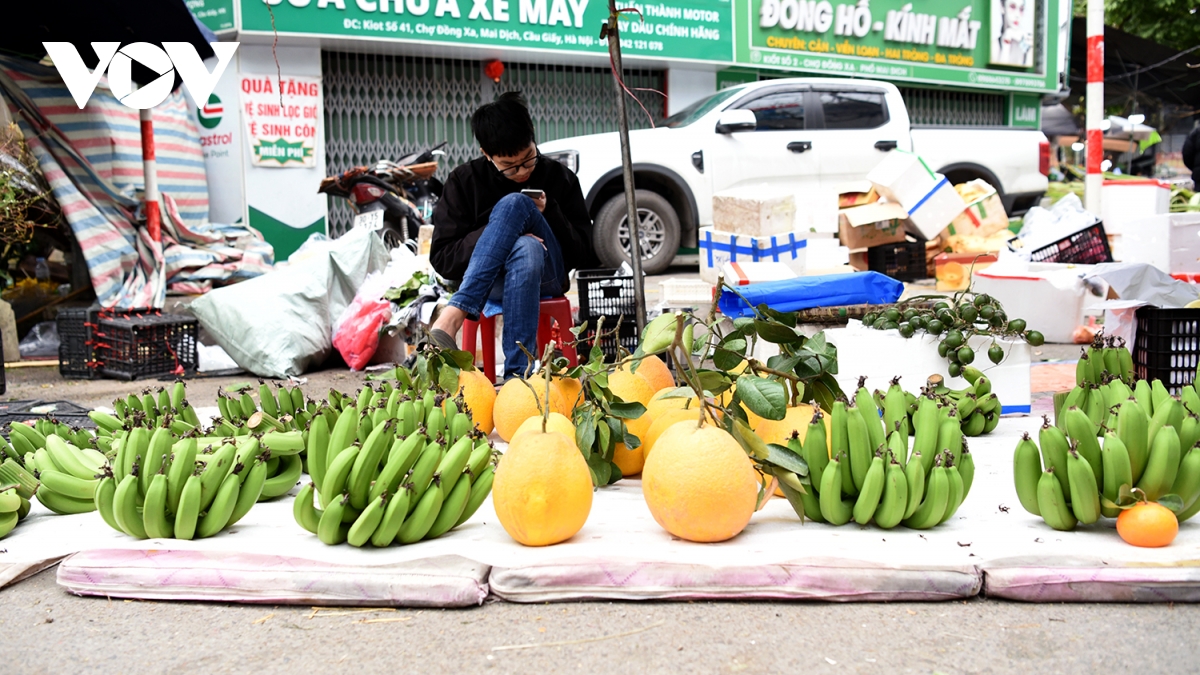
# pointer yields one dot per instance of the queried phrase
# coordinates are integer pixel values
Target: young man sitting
(509, 227)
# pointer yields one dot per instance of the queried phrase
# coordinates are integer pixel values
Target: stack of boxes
(754, 224)
(887, 221)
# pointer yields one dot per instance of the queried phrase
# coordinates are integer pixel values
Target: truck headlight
(568, 158)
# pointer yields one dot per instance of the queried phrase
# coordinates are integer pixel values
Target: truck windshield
(700, 108)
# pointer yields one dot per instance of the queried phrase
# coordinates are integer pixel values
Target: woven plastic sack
(831, 290)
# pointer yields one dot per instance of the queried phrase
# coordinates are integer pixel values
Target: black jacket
(474, 188)
(1191, 155)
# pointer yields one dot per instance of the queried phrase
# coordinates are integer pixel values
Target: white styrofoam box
(746, 273)
(816, 210)
(686, 293)
(882, 355)
(1170, 242)
(718, 248)
(903, 177)
(1125, 202)
(1049, 296)
(825, 254)
(936, 209)
(756, 210)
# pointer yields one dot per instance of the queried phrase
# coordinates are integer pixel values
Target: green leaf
(783, 363)
(1173, 502)
(734, 344)
(601, 379)
(782, 456)
(786, 318)
(679, 392)
(714, 381)
(726, 360)
(604, 433)
(775, 332)
(614, 473)
(631, 442)
(601, 469)
(698, 344)
(585, 433)
(460, 358)
(597, 354)
(448, 378)
(628, 411)
(765, 398)
(745, 325)
(750, 442)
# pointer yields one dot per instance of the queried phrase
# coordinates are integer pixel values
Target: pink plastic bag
(357, 335)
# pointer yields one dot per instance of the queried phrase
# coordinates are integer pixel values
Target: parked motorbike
(392, 198)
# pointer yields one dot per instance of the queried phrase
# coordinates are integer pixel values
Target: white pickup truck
(808, 133)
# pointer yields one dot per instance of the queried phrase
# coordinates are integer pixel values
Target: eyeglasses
(516, 168)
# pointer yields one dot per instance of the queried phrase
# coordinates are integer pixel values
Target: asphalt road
(49, 631)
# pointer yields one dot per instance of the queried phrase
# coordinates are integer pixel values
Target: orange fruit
(479, 396)
(571, 390)
(699, 484)
(629, 461)
(664, 421)
(543, 489)
(1148, 524)
(659, 405)
(557, 422)
(632, 387)
(516, 403)
(656, 373)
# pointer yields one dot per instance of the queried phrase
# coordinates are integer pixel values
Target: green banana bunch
(976, 407)
(13, 508)
(1106, 359)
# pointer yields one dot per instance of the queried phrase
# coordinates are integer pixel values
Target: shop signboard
(216, 15)
(698, 30)
(997, 44)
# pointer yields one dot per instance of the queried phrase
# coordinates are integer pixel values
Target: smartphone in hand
(534, 194)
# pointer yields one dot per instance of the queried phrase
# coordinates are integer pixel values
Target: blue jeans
(515, 270)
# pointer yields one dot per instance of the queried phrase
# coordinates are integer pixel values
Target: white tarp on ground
(621, 553)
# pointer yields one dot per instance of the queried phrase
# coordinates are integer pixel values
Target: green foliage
(1174, 23)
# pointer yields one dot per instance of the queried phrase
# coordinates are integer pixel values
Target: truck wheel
(659, 226)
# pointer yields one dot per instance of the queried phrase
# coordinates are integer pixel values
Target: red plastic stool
(551, 311)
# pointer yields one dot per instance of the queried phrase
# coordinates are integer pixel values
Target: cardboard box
(858, 260)
(718, 248)
(746, 273)
(954, 270)
(984, 214)
(871, 225)
(857, 193)
(934, 211)
(755, 210)
(904, 178)
(886, 354)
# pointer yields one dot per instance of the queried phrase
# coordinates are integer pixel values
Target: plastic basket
(150, 345)
(76, 348)
(1086, 247)
(902, 261)
(686, 293)
(605, 293)
(71, 414)
(1167, 346)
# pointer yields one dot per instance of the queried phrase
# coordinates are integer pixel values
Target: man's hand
(539, 239)
(540, 204)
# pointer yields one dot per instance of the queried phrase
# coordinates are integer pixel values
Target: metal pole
(150, 175)
(635, 239)
(1094, 181)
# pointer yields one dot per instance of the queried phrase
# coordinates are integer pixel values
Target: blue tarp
(831, 290)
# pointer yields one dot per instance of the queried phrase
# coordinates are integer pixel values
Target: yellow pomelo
(543, 489)
(557, 422)
(516, 403)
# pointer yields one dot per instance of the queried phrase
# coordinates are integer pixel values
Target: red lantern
(493, 69)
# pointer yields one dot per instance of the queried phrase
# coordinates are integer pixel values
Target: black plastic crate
(903, 261)
(1167, 346)
(1086, 247)
(149, 345)
(76, 347)
(626, 338)
(605, 293)
(71, 414)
